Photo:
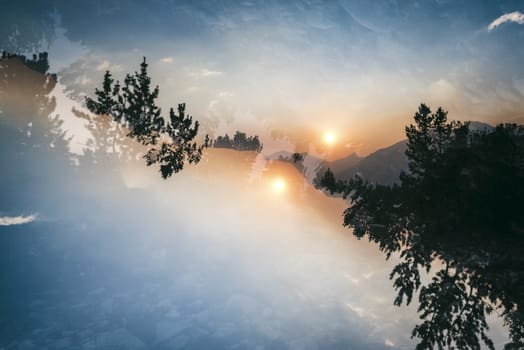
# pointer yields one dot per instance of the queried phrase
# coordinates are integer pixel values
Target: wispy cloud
(17, 220)
(205, 73)
(106, 65)
(517, 17)
(168, 60)
(225, 94)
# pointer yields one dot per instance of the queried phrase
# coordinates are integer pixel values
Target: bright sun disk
(329, 138)
(279, 185)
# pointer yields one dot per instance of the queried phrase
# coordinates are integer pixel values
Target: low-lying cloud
(17, 220)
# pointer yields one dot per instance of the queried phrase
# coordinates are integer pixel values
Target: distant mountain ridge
(382, 166)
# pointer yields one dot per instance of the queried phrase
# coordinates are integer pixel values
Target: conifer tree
(134, 106)
(460, 204)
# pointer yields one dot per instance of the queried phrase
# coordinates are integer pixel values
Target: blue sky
(299, 66)
(296, 64)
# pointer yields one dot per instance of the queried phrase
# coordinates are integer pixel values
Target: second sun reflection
(284, 180)
(279, 185)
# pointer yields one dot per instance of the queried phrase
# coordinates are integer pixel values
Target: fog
(207, 259)
(240, 251)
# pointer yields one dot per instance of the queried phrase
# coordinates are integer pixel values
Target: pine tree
(142, 115)
(105, 103)
(171, 156)
(134, 106)
(460, 204)
(328, 181)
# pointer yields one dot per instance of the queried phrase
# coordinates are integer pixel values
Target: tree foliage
(34, 147)
(239, 142)
(39, 62)
(297, 157)
(328, 181)
(170, 142)
(460, 203)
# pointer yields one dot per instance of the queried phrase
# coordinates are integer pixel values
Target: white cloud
(208, 73)
(225, 94)
(167, 60)
(205, 73)
(16, 220)
(517, 17)
(82, 80)
(103, 66)
(389, 343)
(106, 65)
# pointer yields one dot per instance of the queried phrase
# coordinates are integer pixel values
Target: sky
(239, 249)
(299, 69)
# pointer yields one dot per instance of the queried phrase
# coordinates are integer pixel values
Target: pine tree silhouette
(133, 104)
(461, 204)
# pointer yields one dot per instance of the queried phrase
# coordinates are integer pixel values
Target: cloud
(106, 65)
(389, 343)
(517, 17)
(168, 60)
(225, 94)
(17, 220)
(205, 73)
(82, 80)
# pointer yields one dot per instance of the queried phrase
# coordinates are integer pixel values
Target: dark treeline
(33, 147)
(460, 204)
(239, 142)
(39, 62)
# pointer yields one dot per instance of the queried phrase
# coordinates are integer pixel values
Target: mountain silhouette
(382, 166)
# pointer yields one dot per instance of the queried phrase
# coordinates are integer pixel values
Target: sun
(279, 185)
(329, 138)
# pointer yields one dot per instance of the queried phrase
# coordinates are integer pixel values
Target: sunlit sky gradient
(290, 71)
(239, 247)
(296, 67)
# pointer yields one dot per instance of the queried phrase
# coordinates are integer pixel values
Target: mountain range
(382, 166)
